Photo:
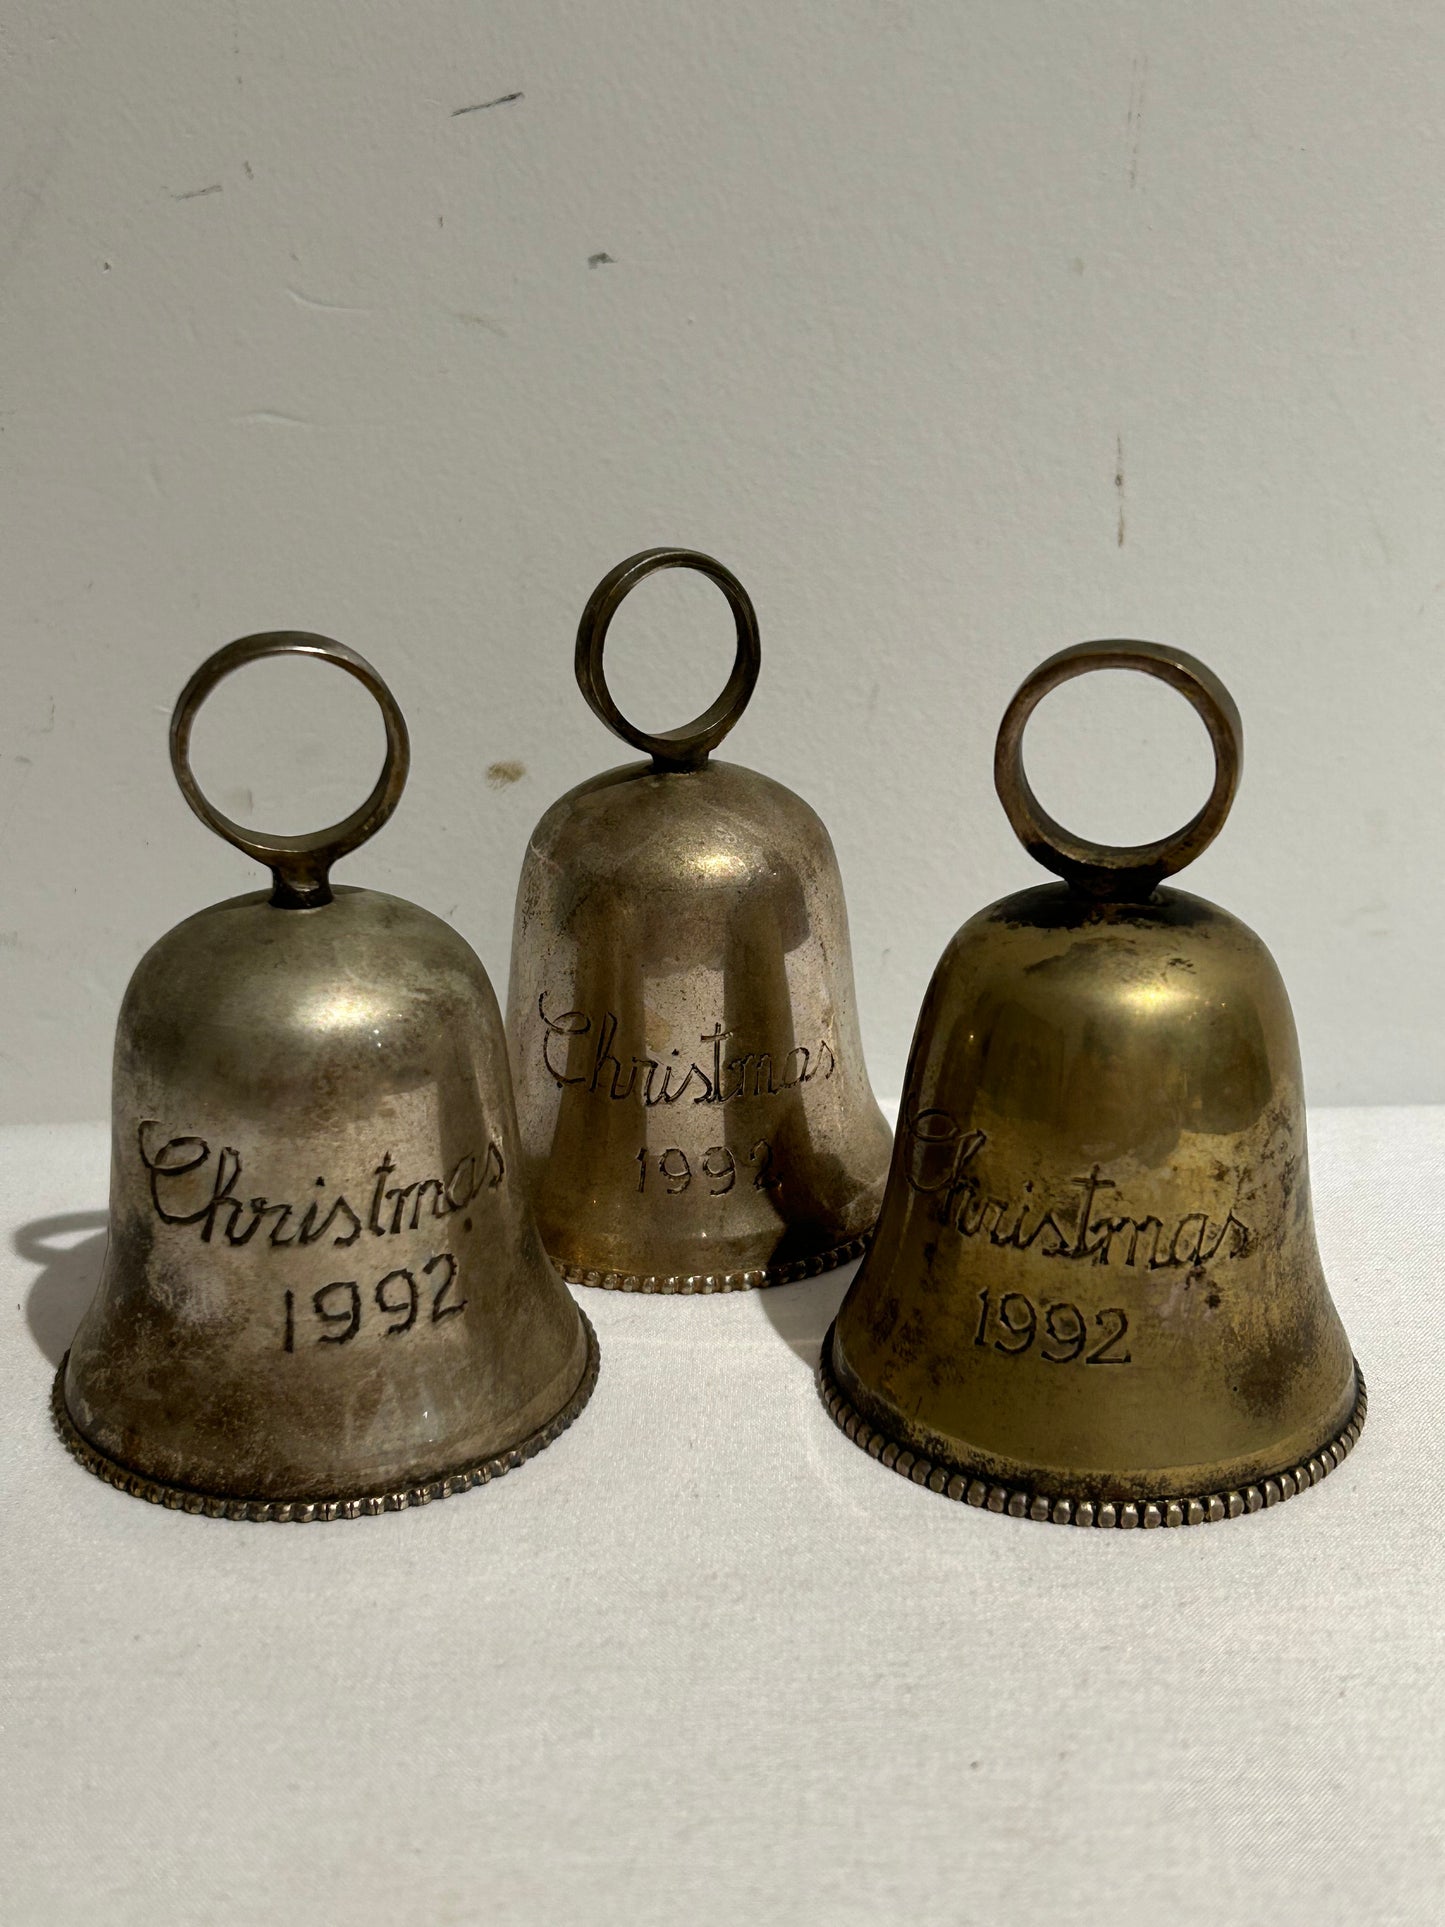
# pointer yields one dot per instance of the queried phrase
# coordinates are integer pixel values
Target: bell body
(323, 1283)
(694, 1106)
(1095, 1283)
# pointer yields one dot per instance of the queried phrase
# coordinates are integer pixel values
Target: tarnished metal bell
(324, 1293)
(695, 1110)
(1094, 1296)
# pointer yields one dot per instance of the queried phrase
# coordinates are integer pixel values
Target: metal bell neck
(301, 886)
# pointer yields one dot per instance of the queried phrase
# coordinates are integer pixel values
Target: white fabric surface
(704, 1661)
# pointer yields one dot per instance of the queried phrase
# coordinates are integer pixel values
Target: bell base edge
(1025, 1502)
(695, 1284)
(179, 1498)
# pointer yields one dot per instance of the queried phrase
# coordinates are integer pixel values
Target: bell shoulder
(273, 998)
(720, 828)
(1046, 972)
(1172, 930)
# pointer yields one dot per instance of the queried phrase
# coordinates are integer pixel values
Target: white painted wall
(961, 331)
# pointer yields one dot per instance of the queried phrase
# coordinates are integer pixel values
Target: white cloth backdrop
(704, 1661)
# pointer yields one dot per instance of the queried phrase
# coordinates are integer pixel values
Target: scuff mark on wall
(1134, 117)
(1119, 482)
(480, 321)
(480, 107)
(327, 307)
(271, 418)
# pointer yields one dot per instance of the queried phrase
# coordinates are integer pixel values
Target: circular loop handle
(1129, 871)
(689, 746)
(299, 864)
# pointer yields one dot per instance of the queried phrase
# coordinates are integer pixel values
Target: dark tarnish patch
(1258, 1385)
(1054, 906)
(883, 1320)
(501, 775)
(1055, 966)
(910, 1341)
(1266, 1378)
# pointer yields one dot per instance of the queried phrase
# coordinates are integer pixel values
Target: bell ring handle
(689, 746)
(1127, 871)
(300, 865)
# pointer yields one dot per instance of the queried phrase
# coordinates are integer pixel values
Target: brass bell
(1094, 1296)
(324, 1293)
(695, 1110)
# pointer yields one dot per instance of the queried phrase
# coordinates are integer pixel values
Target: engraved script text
(228, 1216)
(717, 1165)
(723, 1075)
(398, 1296)
(939, 1155)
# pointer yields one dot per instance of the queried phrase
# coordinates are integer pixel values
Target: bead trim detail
(1023, 1502)
(302, 1511)
(694, 1283)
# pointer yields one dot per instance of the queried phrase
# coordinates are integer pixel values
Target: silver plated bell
(324, 1293)
(695, 1110)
